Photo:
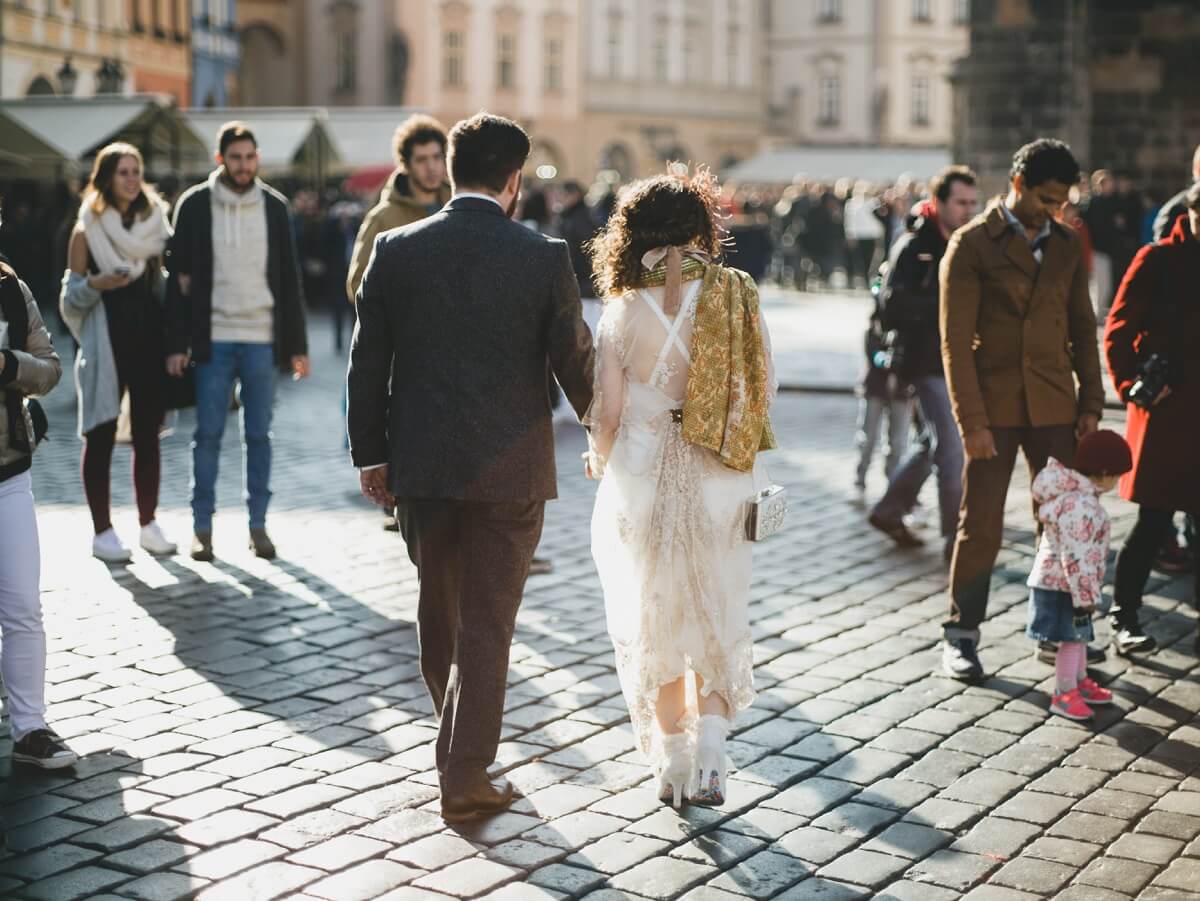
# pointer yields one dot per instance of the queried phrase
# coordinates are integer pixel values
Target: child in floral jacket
(1068, 572)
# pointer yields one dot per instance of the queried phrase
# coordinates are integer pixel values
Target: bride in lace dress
(668, 529)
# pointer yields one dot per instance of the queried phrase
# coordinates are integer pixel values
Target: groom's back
(474, 304)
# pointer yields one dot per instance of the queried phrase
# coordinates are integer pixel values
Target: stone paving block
(164, 887)
(864, 766)
(813, 796)
(817, 846)
(996, 837)
(1161, 893)
(777, 771)
(81, 883)
(822, 747)
(366, 880)
(914, 891)
(853, 819)
(525, 855)
(301, 799)
(1025, 759)
(992, 892)
(677, 825)
(1034, 875)
(619, 851)
(469, 877)
(387, 800)
(818, 889)
(48, 862)
(1182, 874)
(1172, 825)
(434, 851)
(942, 814)
(909, 840)
(1112, 803)
(984, 786)
(764, 822)
(1126, 876)
(1143, 784)
(570, 880)
(630, 804)
(235, 857)
(979, 741)
(778, 734)
(1034, 807)
(952, 869)
(575, 830)
(1152, 849)
(150, 856)
(662, 878)
(940, 767)
(895, 794)
(43, 833)
(225, 826)
(558, 800)
(523, 891)
(123, 833)
(338, 852)
(868, 868)
(911, 742)
(201, 804)
(491, 831)
(1081, 892)
(1088, 827)
(1061, 850)
(269, 880)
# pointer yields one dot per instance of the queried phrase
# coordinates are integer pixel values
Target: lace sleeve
(603, 417)
(772, 377)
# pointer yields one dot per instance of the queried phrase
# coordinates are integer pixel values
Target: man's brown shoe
(261, 544)
(897, 531)
(483, 798)
(202, 547)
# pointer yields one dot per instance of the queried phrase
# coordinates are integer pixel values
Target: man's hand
(979, 444)
(185, 284)
(300, 368)
(108, 281)
(374, 484)
(176, 364)
(1087, 424)
(1162, 395)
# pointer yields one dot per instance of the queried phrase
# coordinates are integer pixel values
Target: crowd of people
(470, 319)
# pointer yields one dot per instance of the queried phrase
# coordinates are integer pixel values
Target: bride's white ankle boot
(711, 762)
(675, 768)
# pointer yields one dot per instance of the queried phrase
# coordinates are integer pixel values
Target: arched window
(40, 87)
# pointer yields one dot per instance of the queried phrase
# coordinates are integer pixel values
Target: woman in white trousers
(28, 367)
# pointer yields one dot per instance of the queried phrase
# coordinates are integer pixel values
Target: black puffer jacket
(909, 298)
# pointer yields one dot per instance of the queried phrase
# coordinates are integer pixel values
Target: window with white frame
(829, 10)
(506, 62)
(554, 65)
(919, 100)
(453, 59)
(346, 60)
(614, 42)
(922, 10)
(661, 62)
(962, 12)
(829, 100)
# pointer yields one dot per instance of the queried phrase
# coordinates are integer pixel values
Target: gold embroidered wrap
(728, 391)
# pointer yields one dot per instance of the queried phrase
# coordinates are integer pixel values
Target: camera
(1152, 378)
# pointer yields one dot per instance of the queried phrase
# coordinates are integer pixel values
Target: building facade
(215, 52)
(160, 47)
(51, 48)
(864, 72)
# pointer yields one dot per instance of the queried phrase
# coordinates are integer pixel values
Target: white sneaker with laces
(155, 542)
(108, 547)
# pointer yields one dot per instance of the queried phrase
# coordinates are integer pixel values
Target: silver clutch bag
(767, 511)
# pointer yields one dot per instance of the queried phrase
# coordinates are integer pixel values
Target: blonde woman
(111, 303)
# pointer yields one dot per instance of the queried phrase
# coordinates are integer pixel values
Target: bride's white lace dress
(668, 529)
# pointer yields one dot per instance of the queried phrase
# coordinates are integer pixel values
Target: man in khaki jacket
(1017, 329)
(415, 190)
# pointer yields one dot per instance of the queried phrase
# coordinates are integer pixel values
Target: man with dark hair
(1017, 329)
(235, 309)
(460, 316)
(1176, 207)
(415, 190)
(909, 302)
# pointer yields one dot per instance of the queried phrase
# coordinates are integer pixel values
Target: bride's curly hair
(674, 209)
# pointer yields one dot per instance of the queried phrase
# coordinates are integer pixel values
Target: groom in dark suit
(460, 316)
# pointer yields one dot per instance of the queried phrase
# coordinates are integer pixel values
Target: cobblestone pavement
(259, 730)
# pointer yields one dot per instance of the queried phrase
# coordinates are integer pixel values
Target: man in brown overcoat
(1018, 329)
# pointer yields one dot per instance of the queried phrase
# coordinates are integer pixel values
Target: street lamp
(109, 77)
(67, 76)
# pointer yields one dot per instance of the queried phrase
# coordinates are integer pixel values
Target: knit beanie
(1103, 452)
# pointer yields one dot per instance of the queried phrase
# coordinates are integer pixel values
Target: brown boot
(202, 547)
(261, 544)
(480, 798)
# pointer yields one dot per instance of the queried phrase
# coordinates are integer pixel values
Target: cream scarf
(113, 246)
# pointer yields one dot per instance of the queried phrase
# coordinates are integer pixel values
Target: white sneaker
(154, 541)
(108, 547)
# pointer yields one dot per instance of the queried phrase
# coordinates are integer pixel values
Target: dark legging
(146, 420)
(1136, 559)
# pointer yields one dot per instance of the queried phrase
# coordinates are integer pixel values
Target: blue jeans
(252, 366)
(940, 449)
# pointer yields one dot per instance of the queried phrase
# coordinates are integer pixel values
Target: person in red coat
(1164, 432)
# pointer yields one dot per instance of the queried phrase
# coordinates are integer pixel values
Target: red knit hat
(1103, 452)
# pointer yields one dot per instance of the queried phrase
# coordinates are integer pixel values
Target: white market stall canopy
(50, 135)
(829, 163)
(289, 137)
(362, 135)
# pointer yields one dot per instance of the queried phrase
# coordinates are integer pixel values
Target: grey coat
(460, 318)
(96, 384)
(36, 371)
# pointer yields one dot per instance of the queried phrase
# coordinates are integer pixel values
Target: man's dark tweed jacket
(458, 317)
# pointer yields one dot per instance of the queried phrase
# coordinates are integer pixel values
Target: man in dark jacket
(1176, 208)
(235, 309)
(459, 316)
(910, 311)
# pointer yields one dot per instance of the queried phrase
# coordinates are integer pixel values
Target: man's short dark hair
(942, 184)
(486, 150)
(231, 133)
(1043, 160)
(413, 132)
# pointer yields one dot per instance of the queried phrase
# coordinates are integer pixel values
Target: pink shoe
(1071, 705)
(1093, 693)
